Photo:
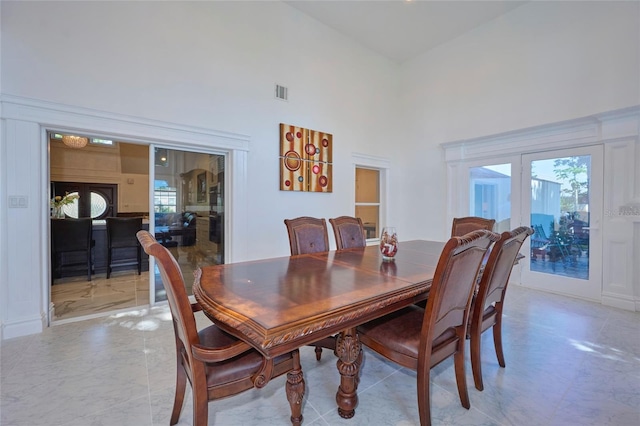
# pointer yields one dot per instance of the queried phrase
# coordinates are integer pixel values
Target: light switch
(18, 201)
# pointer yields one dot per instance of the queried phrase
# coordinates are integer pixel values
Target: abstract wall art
(306, 159)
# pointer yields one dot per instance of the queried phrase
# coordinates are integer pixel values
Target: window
(164, 198)
(98, 207)
(368, 200)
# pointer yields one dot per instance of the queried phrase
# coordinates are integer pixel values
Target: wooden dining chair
(349, 232)
(418, 338)
(464, 225)
(215, 363)
(309, 235)
(488, 303)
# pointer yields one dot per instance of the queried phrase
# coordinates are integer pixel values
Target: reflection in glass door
(563, 206)
(490, 194)
(188, 206)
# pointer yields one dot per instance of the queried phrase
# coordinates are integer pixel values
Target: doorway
(110, 179)
(558, 194)
(563, 202)
(183, 207)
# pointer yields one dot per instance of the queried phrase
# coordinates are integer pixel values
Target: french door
(562, 201)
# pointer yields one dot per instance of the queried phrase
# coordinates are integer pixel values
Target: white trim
(370, 161)
(619, 132)
(33, 118)
(620, 301)
(68, 118)
(383, 165)
(567, 134)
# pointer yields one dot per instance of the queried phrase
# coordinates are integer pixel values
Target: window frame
(382, 165)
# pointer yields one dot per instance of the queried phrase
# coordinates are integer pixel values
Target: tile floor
(569, 362)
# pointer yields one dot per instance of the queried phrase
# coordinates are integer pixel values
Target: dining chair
(349, 232)
(418, 338)
(464, 225)
(71, 246)
(216, 363)
(488, 303)
(309, 235)
(121, 238)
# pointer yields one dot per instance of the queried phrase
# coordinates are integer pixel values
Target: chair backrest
(497, 270)
(464, 225)
(71, 234)
(184, 322)
(349, 232)
(447, 309)
(121, 231)
(307, 235)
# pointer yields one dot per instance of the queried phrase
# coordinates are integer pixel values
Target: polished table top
(283, 303)
(278, 305)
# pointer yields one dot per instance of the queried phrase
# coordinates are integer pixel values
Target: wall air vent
(282, 92)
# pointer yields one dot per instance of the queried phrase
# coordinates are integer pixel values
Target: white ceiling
(402, 29)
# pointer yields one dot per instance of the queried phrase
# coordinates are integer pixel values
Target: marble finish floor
(569, 362)
(75, 297)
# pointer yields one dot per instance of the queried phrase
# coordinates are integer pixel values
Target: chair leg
(181, 384)
(139, 260)
(108, 262)
(318, 353)
(89, 266)
(200, 404)
(476, 363)
(461, 379)
(424, 398)
(497, 339)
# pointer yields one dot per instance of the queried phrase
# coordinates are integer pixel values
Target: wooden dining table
(280, 304)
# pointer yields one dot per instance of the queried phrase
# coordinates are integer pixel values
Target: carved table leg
(349, 350)
(295, 390)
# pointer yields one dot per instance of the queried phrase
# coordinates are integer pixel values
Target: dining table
(280, 304)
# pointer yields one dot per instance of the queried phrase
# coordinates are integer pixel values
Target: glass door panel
(563, 207)
(188, 210)
(490, 194)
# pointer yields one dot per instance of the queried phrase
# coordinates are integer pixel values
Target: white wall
(213, 65)
(210, 65)
(544, 62)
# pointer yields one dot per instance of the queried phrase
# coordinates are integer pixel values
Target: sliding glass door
(188, 205)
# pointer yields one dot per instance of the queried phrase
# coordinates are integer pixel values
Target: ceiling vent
(282, 92)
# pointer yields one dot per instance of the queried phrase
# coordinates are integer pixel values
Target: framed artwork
(306, 159)
(201, 190)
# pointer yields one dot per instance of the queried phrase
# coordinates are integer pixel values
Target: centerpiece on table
(58, 201)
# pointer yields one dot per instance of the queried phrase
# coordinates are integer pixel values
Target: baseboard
(23, 327)
(622, 302)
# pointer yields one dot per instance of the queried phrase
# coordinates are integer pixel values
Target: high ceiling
(403, 29)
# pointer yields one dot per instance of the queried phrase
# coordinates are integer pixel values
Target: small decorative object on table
(388, 243)
(58, 201)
